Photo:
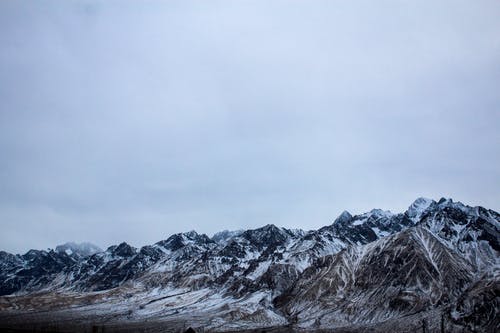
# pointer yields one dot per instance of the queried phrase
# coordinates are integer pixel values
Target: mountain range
(433, 267)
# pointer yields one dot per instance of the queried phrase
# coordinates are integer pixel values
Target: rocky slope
(369, 269)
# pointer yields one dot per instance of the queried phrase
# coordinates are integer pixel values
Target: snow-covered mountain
(436, 259)
(80, 250)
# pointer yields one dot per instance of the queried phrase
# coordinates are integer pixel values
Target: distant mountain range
(435, 266)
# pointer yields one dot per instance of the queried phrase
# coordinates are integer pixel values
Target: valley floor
(11, 322)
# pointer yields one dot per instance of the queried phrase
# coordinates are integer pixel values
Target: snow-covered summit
(418, 207)
(225, 235)
(80, 249)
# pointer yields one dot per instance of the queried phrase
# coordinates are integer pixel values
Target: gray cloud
(127, 121)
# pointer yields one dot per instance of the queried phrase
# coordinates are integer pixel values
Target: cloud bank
(132, 121)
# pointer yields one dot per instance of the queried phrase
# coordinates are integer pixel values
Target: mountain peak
(444, 201)
(225, 235)
(418, 207)
(267, 235)
(270, 227)
(191, 234)
(344, 217)
(180, 240)
(380, 212)
(123, 250)
(80, 249)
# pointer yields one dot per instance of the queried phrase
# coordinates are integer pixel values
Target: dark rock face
(123, 250)
(268, 236)
(31, 270)
(173, 243)
(479, 305)
(360, 269)
(402, 274)
(178, 241)
(279, 278)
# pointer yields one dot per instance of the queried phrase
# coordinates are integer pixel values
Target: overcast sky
(135, 120)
